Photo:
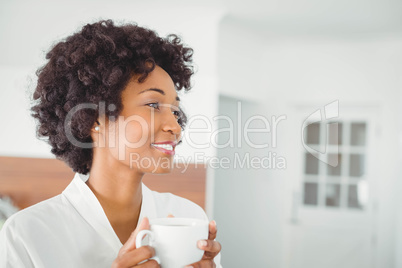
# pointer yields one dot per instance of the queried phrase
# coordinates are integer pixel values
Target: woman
(106, 100)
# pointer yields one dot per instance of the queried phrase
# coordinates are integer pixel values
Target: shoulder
(25, 229)
(36, 215)
(168, 203)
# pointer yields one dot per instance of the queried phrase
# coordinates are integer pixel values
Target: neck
(118, 189)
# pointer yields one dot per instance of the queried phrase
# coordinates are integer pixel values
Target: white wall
(247, 202)
(398, 185)
(282, 70)
(356, 70)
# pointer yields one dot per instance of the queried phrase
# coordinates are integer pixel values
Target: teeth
(164, 146)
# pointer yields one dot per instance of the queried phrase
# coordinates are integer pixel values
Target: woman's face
(149, 117)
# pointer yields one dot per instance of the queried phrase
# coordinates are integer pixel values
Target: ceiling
(318, 15)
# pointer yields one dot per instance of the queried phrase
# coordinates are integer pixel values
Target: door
(331, 219)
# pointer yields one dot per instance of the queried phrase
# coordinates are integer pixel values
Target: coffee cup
(175, 240)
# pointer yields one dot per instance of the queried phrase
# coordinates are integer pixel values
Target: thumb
(130, 244)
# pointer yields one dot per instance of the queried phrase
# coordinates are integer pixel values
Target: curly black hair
(94, 65)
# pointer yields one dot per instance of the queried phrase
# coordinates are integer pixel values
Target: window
(339, 185)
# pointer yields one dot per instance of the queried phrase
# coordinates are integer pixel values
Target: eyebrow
(157, 90)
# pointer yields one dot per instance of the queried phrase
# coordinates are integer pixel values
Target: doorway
(332, 222)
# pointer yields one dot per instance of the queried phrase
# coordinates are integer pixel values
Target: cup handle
(138, 242)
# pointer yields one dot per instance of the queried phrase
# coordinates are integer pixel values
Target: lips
(166, 147)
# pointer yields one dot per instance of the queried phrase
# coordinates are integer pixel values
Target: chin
(151, 163)
(160, 166)
(162, 171)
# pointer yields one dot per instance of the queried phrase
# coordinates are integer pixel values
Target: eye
(154, 105)
(177, 114)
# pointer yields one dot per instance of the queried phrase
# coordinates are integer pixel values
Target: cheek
(134, 132)
(128, 137)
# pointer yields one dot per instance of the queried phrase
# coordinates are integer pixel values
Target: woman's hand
(211, 247)
(130, 256)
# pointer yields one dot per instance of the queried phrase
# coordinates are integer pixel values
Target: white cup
(175, 240)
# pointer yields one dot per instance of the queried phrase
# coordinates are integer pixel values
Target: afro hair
(94, 65)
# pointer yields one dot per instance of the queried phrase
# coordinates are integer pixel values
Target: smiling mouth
(165, 148)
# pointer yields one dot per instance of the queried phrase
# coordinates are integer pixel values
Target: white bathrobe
(72, 230)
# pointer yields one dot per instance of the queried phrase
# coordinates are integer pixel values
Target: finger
(170, 215)
(149, 264)
(133, 257)
(202, 264)
(130, 244)
(213, 230)
(211, 248)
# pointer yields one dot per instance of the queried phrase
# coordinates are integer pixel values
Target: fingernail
(142, 223)
(189, 266)
(202, 243)
(214, 223)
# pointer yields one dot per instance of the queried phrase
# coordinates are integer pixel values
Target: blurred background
(330, 70)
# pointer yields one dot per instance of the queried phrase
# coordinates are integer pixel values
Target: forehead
(158, 79)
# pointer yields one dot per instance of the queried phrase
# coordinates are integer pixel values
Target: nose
(170, 124)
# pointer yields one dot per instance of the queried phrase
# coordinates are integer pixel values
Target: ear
(96, 127)
(96, 124)
(99, 126)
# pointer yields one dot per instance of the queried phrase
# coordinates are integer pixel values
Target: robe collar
(85, 202)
